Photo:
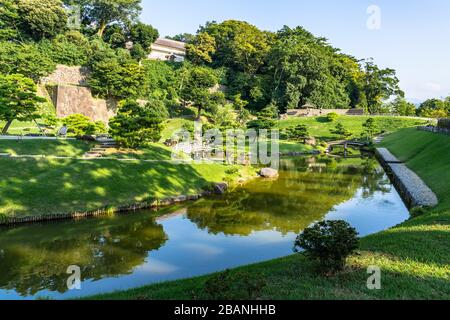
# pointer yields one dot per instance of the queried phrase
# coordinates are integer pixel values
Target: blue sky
(414, 37)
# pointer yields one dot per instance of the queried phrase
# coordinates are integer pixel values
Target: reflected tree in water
(34, 258)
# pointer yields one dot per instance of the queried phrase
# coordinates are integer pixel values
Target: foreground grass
(58, 148)
(319, 127)
(414, 257)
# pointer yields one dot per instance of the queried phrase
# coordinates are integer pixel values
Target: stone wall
(414, 192)
(69, 93)
(75, 99)
(67, 75)
(435, 130)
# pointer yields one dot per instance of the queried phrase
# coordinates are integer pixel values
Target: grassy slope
(45, 186)
(414, 257)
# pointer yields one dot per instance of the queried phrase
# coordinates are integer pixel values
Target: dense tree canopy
(289, 68)
(379, 85)
(101, 13)
(27, 59)
(435, 108)
(42, 19)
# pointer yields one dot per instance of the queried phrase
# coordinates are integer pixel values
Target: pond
(253, 223)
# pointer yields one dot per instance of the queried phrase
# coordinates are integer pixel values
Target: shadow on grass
(35, 187)
(63, 148)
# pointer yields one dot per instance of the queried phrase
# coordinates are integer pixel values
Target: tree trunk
(101, 29)
(6, 127)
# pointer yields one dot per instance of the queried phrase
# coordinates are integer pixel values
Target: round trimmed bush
(329, 243)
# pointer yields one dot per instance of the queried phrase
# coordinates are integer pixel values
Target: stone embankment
(413, 190)
(219, 188)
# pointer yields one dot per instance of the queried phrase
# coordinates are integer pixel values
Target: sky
(410, 36)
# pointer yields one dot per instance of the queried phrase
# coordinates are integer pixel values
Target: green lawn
(46, 186)
(319, 127)
(21, 128)
(59, 148)
(414, 257)
(171, 126)
(154, 151)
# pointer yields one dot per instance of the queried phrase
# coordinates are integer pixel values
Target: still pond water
(256, 222)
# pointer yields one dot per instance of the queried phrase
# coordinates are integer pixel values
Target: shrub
(135, 125)
(332, 117)
(235, 286)
(341, 131)
(261, 124)
(232, 171)
(298, 133)
(79, 125)
(329, 243)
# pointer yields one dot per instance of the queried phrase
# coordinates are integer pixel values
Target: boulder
(220, 188)
(268, 173)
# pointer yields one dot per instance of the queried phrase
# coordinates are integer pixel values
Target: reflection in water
(306, 190)
(36, 258)
(256, 222)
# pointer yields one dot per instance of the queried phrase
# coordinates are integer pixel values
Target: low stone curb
(411, 187)
(106, 210)
(386, 156)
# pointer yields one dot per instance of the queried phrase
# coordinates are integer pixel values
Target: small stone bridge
(345, 143)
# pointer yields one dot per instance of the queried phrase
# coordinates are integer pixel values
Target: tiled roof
(170, 43)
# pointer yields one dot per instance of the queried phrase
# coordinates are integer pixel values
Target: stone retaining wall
(412, 189)
(435, 130)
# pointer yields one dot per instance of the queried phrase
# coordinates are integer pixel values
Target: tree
(117, 77)
(379, 85)
(197, 88)
(26, 59)
(143, 34)
(18, 99)
(370, 128)
(79, 125)
(9, 20)
(402, 107)
(160, 80)
(183, 37)
(239, 45)
(201, 49)
(434, 108)
(135, 125)
(71, 48)
(341, 131)
(42, 18)
(102, 13)
(304, 70)
(243, 115)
